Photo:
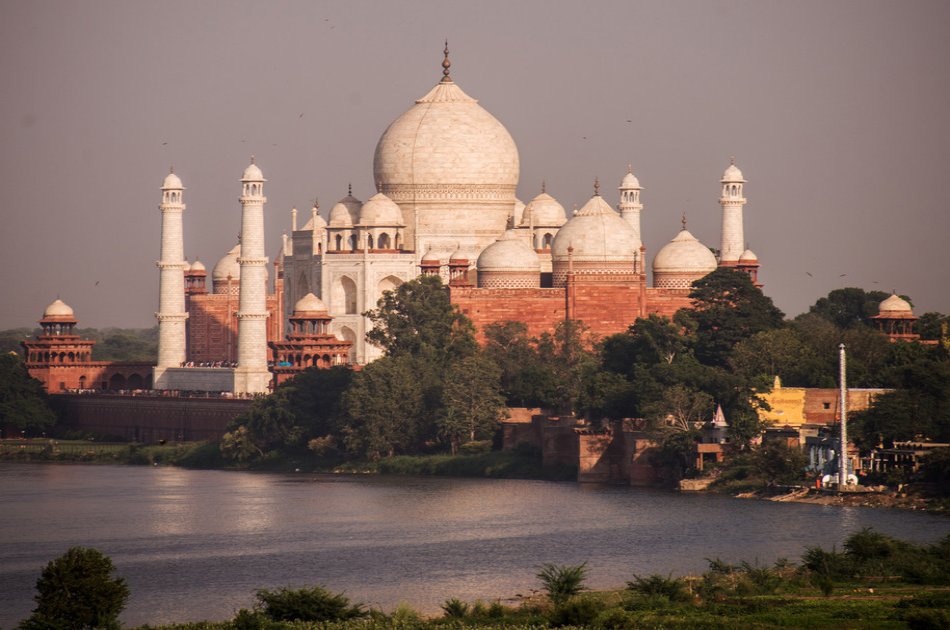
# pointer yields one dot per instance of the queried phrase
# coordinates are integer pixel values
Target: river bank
(490, 465)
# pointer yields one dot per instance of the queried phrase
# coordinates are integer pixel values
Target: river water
(196, 544)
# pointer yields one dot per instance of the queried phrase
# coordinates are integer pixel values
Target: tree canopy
(77, 592)
(23, 403)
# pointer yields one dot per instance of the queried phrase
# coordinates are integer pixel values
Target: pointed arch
(389, 283)
(348, 335)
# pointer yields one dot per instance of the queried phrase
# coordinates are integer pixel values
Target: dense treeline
(881, 581)
(436, 389)
(112, 344)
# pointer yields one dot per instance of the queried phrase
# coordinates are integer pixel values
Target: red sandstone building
(62, 361)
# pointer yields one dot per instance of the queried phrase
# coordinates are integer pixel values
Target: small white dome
(380, 210)
(310, 303)
(228, 265)
(172, 182)
(596, 233)
(544, 211)
(629, 181)
(320, 222)
(197, 266)
(509, 253)
(346, 212)
(732, 175)
(684, 254)
(748, 256)
(58, 308)
(252, 173)
(895, 304)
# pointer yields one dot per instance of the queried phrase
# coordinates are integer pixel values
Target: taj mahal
(445, 204)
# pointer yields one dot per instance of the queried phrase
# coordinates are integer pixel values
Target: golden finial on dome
(171, 169)
(597, 187)
(630, 168)
(732, 160)
(544, 186)
(683, 220)
(349, 189)
(446, 64)
(252, 159)
(316, 203)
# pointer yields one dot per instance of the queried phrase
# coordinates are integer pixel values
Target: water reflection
(196, 544)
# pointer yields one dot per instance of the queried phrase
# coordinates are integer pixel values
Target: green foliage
(384, 405)
(11, 338)
(313, 603)
(418, 319)
(578, 612)
(473, 404)
(526, 380)
(674, 589)
(849, 307)
(779, 463)
(562, 581)
(454, 608)
(568, 352)
(77, 591)
(23, 403)
(937, 469)
(727, 309)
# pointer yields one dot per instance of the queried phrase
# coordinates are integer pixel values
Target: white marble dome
(312, 224)
(895, 304)
(197, 266)
(629, 181)
(380, 210)
(252, 173)
(597, 234)
(228, 265)
(732, 175)
(684, 254)
(446, 137)
(544, 210)
(748, 256)
(346, 212)
(58, 308)
(310, 303)
(172, 182)
(509, 253)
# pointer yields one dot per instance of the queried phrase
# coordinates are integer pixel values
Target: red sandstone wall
(102, 375)
(606, 308)
(212, 326)
(665, 302)
(147, 418)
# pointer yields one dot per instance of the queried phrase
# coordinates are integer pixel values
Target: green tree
(849, 307)
(933, 326)
(562, 581)
(568, 350)
(728, 308)
(77, 591)
(472, 400)
(778, 352)
(777, 462)
(680, 408)
(384, 405)
(526, 380)
(23, 403)
(418, 319)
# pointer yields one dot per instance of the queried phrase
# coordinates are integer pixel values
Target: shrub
(673, 588)
(77, 590)
(868, 544)
(306, 604)
(455, 608)
(562, 581)
(831, 564)
(615, 619)
(576, 612)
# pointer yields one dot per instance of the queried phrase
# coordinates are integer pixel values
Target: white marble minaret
(630, 206)
(251, 374)
(171, 313)
(732, 201)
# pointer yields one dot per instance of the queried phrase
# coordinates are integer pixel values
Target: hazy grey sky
(838, 114)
